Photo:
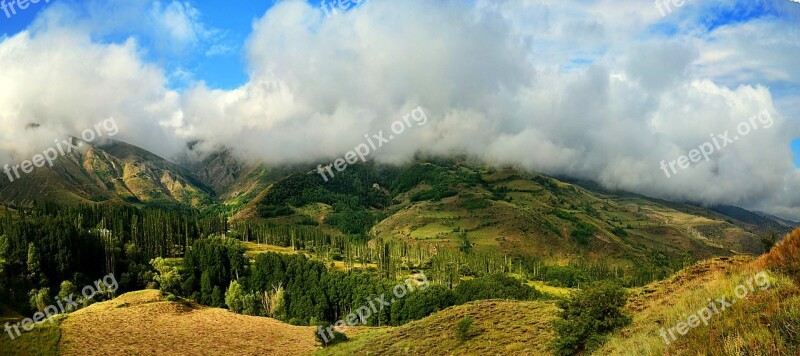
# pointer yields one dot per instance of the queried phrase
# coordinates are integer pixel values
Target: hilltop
(144, 323)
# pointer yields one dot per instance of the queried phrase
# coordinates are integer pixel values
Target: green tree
(234, 297)
(464, 328)
(769, 240)
(278, 306)
(588, 316)
(40, 299)
(217, 298)
(67, 291)
(34, 264)
(168, 278)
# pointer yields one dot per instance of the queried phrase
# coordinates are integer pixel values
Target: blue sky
(225, 71)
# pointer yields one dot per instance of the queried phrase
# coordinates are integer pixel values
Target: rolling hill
(144, 323)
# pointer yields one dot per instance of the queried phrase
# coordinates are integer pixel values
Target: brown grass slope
(500, 328)
(764, 322)
(142, 323)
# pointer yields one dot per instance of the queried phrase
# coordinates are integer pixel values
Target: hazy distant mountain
(114, 173)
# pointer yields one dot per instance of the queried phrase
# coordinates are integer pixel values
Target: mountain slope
(500, 327)
(450, 203)
(113, 173)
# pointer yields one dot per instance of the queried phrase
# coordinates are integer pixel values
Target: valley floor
(765, 322)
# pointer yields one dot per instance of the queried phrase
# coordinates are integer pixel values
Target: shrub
(327, 338)
(582, 232)
(588, 316)
(463, 328)
(495, 286)
(619, 232)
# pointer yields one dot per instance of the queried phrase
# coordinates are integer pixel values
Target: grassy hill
(500, 327)
(765, 321)
(143, 323)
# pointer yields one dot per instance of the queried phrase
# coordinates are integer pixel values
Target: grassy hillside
(765, 321)
(500, 327)
(142, 323)
(449, 204)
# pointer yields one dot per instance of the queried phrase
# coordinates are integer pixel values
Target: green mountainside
(450, 204)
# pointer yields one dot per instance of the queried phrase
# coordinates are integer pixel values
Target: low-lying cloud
(602, 91)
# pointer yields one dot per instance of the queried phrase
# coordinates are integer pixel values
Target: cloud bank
(602, 91)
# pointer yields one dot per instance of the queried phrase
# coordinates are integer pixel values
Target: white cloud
(592, 90)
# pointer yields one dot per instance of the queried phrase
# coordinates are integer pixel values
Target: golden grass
(758, 324)
(500, 328)
(559, 292)
(254, 249)
(42, 340)
(785, 256)
(141, 323)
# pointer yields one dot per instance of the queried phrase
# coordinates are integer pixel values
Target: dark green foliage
(327, 335)
(769, 240)
(565, 276)
(495, 286)
(588, 316)
(351, 193)
(582, 232)
(464, 328)
(214, 262)
(434, 194)
(565, 215)
(619, 231)
(499, 193)
(475, 204)
(272, 211)
(351, 221)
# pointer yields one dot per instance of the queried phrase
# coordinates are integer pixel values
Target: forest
(47, 250)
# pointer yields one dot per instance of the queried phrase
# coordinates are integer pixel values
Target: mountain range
(435, 201)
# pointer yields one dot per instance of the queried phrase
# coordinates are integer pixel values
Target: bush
(582, 232)
(619, 232)
(588, 316)
(463, 328)
(327, 338)
(495, 286)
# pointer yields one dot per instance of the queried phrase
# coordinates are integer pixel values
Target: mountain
(455, 204)
(117, 173)
(451, 203)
